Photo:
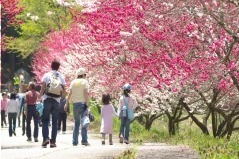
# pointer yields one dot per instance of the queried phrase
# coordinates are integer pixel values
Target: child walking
(12, 110)
(107, 112)
(62, 113)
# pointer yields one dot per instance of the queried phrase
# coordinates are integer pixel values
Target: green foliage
(207, 146)
(129, 154)
(39, 18)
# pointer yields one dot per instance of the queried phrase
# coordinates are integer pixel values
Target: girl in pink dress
(107, 113)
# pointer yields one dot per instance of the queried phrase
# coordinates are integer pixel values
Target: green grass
(206, 146)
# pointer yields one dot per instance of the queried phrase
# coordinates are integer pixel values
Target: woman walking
(4, 101)
(126, 103)
(12, 110)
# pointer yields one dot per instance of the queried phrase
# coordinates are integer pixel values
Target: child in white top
(107, 112)
(12, 110)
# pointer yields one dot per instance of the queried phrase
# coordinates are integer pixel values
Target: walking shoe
(29, 139)
(103, 142)
(126, 141)
(36, 139)
(85, 143)
(121, 139)
(14, 133)
(63, 132)
(111, 143)
(45, 143)
(52, 145)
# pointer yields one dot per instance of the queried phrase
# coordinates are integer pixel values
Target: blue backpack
(39, 108)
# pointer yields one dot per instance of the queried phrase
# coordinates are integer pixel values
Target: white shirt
(130, 101)
(46, 79)
(12, 106)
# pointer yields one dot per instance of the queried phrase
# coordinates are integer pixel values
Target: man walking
(79, 94)
(16, 81)
(53, 84)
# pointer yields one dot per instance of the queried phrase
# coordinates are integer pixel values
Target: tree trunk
(171, 127)
(214, 126)
(148, 124)
(205, 118)
(196, 121)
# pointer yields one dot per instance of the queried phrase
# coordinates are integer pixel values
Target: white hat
(80, 71)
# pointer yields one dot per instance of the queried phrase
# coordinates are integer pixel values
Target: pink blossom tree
(178, 44)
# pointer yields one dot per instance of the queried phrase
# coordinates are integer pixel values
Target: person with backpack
(126, 103)
(31, 112)
(53, 84)
(78, 91)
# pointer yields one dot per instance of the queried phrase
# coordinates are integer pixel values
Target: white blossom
(135, 29)
(124, 33)
(86, 3)
(200, 14)
(147, 22)
(34, 18)
(49, 13)
(88, 10)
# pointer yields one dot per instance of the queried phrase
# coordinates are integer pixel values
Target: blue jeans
(12, 122)
(78, 112)
(31, 113)
(125, 127)
(51, 106)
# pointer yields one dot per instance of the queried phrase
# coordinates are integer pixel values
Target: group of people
(56, 99)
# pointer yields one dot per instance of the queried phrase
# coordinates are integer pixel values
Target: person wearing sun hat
(130, 101)
(78, 91)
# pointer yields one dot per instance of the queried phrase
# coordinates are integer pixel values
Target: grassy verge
(207, 146)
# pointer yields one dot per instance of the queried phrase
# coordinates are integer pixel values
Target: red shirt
(31, 97)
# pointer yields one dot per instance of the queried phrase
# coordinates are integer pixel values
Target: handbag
(91, 117)
(85, 121)
(130, 112)
(39, 109)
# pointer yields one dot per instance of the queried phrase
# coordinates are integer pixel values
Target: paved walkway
(17, 147)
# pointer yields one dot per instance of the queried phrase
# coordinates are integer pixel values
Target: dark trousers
(51, 106)
(62, 119)
(12, 122)
(23, 123)
(31, 113)
(3, 118)
(19, 117)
